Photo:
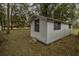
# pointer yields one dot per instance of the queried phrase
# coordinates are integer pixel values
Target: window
(69, 26)
(57, 25)
(36, 25)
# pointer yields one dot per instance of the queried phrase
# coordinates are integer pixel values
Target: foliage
(63, 12)
(2, 13)
(19, 14)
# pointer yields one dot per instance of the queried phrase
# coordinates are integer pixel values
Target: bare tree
(8, 18)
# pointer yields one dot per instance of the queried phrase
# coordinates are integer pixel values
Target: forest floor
(19, 43)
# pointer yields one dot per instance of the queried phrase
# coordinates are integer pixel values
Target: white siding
(42, 34)
(53, 35)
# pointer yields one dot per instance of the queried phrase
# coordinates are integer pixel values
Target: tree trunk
(4, 23)
(11, 18)
(8, 18)
(1, 25)
(11, 21)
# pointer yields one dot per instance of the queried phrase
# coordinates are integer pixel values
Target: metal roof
(34, 17)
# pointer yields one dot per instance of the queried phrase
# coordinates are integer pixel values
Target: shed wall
(53, 35)
(42, 34)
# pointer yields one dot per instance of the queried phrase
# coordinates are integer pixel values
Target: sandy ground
(20, 44)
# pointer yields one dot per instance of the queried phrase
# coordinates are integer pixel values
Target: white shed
(47, 29)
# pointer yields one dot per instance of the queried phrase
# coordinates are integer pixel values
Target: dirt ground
(19, 43)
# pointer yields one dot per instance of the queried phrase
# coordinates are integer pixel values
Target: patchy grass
(19, 43)
(3, 41)
(75, 31)
(2, 38)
